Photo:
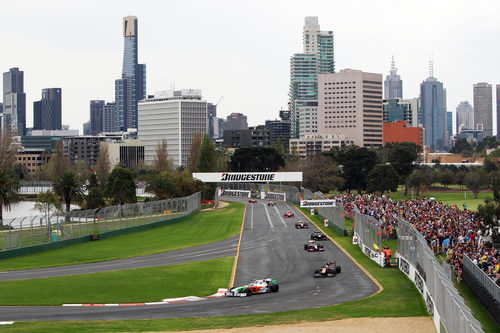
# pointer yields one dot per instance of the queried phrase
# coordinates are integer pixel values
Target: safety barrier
(418, 262)
(38, 230)
(485, 289)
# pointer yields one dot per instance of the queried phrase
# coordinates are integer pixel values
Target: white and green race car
(260, 286)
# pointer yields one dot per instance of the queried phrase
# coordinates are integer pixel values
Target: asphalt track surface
(270, 247)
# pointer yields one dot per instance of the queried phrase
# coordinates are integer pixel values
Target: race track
(270, 247)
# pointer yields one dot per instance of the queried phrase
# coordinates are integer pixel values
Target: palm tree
(9, 185)
(68, 187)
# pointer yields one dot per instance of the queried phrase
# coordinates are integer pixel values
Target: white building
(315, 143)
(175, 116)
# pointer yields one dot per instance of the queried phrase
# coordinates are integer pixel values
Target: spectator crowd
(447, 229)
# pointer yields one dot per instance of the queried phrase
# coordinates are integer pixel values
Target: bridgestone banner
(275, 196)
(234, 193)
(317, 203)
(248, 177)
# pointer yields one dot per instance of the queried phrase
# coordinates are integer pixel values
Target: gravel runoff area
(351, 325)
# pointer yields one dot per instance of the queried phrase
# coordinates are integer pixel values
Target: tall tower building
(318, 58)
(433, 112)
(350, 103)
(96, 117)
(131, 88)
(393, 85)
(465, 116)
(47, 113)
(14, 101)
(483, 110)
(111, 118)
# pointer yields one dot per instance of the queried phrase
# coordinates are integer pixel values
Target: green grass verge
(202, 228)
(150, 284)
(450, 198)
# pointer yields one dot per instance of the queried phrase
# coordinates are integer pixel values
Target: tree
(402, 156)
(162, 185)
(489, 165)
(460, 178)
(256, 159)
(382, 178)
(475, 181)
(120, 186)
(69, 188)
(292, 159)
(103, 165)
(321, 174)
(95, 198)
(489, 142)
(192, 159)
(462, 146)
(162, 162)
(445, 177)
(46, 202)
(207, 157)
(490, 211)
(9, 185)
(222, 161)
(356, 164)
(8, 150)
(58, 162)
(417, 180)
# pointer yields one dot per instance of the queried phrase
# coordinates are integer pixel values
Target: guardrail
(485, 289)
(38, 230)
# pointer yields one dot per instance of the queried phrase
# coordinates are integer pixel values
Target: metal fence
(335, 215)
(488, 284)
(40, 229)
(455, 314)
(368, 229)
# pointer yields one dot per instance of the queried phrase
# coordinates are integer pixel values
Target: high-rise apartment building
(96, 117)
(402, 109)
(236, 121)
(483, 110)
(433, 113)
(280, 129)
(175, 116)
(317, 57)
(111, 118)
(350, 103)
(393, 85)
(131, 88)
(14, 101)
(465, 117)
(47, 113)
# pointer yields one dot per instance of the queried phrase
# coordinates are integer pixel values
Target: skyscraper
(449, 123)
(317, 58)
(47, 113)
(14, 101)
(131, 88)
(393, 85)
(465, 116)
(433, 112)
(111, 118)
(96, 117)
(483, 110)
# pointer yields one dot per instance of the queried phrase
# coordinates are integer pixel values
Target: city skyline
(189, 45)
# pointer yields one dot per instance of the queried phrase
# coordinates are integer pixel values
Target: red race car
(289, 214)
(252, 201)
(301, 225)
(271, 203)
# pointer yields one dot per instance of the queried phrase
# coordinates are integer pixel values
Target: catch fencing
(335, 215)
(44, 229)
(368, 230)
(419, 263)
(486, 290)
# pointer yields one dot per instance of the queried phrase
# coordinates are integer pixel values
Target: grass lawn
(202, 228)
(150, 284)
(450, 198)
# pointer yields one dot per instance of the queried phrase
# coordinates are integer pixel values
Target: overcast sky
(241, 49)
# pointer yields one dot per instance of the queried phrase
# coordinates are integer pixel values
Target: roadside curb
(220, 293)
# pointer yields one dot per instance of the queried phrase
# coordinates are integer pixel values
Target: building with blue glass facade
(402, 109)
(131, 88)
(449, 123)
(433, 113)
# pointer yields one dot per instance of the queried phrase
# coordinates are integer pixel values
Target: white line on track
(251, 220)
(268, 217)
(281, 217)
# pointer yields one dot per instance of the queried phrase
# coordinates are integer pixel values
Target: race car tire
(274, 288)
(338, 269)
(305, 247)
(247, 291)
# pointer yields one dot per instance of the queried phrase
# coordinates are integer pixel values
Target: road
(270, 247)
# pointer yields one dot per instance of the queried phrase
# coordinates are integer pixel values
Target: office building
(483, 110)
(127, 154)
(393, 85)
(212, 120)
(433, 112)
(315, 143)
(47, 113)
(175, 116)
(131, 88)
(14, 101)
(85, 148)
(86, 128)
(33, 159)
(319, 43)
(111, 118)
(96, 117)
(236, 121)
(350, 103)
(279, 129)
(401, 131)
(402, 109)
(465, 116)
(449, 123)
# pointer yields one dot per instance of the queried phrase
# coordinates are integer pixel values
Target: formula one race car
(330, 269)
(301, 225)
(318, 236)
(252, 201)
(312, 246)
(261, 286)
(271, 203)
(289, 214)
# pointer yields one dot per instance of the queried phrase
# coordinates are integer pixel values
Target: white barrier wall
(406, 267)
(376, 256)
